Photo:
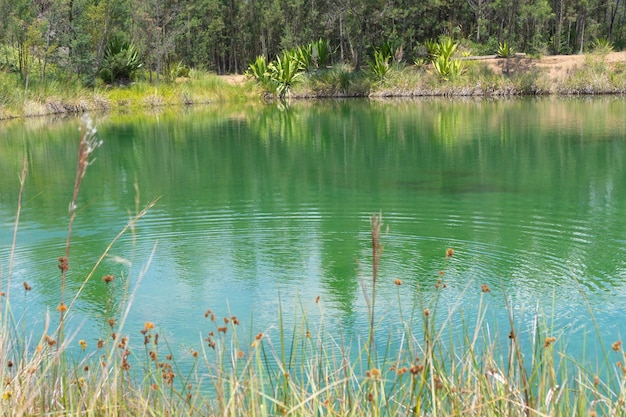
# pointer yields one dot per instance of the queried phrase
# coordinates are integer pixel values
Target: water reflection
(263, 206)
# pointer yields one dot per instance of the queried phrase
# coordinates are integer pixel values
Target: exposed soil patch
(555, 66)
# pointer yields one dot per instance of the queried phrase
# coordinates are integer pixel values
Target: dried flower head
(416, 369)
(549, 341)
(63, 263)
(26, 286)
(207, 313)
(62, 307)
(83, 344)
(397, 281)
(427, 312)
(485, 288)
(317, 299)
(50, 341)
(111, 322)
(222, 329)
(449, 252)
(616, 346)
(374, 373)
(108, 278)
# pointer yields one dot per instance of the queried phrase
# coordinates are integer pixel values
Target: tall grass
(309, 368)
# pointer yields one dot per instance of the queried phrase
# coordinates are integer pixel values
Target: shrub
(121, 61)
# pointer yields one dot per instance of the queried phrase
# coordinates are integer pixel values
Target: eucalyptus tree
(155, 28)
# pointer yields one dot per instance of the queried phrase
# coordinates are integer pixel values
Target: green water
(264, 206)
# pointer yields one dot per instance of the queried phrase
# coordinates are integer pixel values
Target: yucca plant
(504, 50)
(285, 70)
(322, 53)
(121, 60)
(432, 46)
(379, 65)
(444, 65)
(602, 46)
(259, 70)
(304, 55)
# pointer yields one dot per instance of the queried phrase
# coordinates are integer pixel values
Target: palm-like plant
(379, 65)
(285, 70)
(322, 53)
(444, 65)
(504, 50)
(121, 60)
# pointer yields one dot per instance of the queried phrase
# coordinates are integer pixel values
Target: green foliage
(121, 61)
(444, 65)
(322, 53)
(285, 70)
(432, 48)
(504, 50)
(602, 46)
(304, 56)
(314, 55)
(379, 65)
(177, 70)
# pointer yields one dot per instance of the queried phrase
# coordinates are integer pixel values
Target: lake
(265, 208)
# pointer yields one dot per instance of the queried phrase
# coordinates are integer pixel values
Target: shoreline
(488, 77)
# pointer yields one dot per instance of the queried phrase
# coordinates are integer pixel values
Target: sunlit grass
(55, 97)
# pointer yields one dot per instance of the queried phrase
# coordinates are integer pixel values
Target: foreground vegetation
(305, 369)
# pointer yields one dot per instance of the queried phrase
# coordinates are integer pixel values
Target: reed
(310, 367)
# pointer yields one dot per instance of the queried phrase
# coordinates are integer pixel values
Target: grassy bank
(55, 97)
(307, 368)
(484, 77)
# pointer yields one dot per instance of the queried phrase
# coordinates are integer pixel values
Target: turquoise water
(267, 207)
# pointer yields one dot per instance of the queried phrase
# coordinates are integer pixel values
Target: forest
(84, 40)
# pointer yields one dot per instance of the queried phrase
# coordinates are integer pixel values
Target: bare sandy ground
(556, 66)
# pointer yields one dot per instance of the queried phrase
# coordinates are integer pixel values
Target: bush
(121, 61)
